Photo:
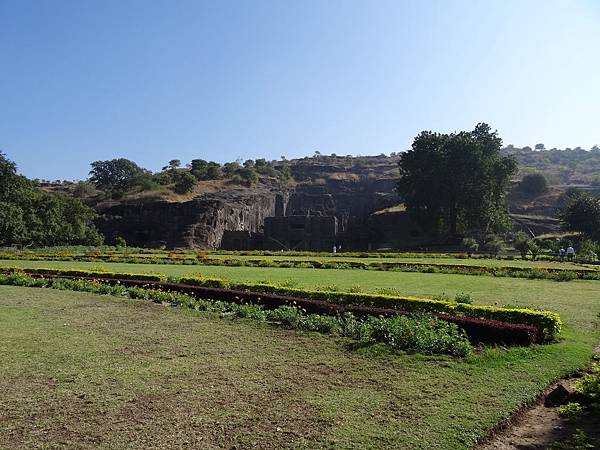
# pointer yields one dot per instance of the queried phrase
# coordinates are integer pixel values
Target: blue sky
(156, 80)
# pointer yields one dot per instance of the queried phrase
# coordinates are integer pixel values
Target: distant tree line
(567, 166)
(117, 176)
(31, 216)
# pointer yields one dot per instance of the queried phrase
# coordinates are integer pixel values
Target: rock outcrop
(201, 222)
(197, 223)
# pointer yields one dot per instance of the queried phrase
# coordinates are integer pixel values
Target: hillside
(359, 191)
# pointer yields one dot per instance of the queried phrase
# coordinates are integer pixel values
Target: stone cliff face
(201, 222)
(350, 202)
(197, 223)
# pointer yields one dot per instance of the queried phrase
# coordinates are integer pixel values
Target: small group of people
(569, 253)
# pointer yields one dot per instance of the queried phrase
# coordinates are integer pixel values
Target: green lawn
(85, 371)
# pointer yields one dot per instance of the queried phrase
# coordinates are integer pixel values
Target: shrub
(533, 184)
(289, 316)
(322, 324)
(548, 324)
(588, 251)
(120, 241)
(571, 410)
(185, 183)
(580, 440)
(249, 311)
(471, 245)
(521, 243)
(462, 297)
(565, 276)
(493, 246)
(589, 385)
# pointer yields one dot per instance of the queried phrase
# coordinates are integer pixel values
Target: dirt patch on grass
(539, 426)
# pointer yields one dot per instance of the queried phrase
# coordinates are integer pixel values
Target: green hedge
(547, 322)
(86, 273)
(546, 273)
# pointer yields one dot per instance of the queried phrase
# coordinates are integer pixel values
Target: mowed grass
(578, 302)
(87, 371)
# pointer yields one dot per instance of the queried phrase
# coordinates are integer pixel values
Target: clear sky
(155, 80)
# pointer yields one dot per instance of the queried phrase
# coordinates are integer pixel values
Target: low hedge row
(546, 323)
(189, 253)
(546, 273)
(478, 331)
(424, 334)
(87, 273)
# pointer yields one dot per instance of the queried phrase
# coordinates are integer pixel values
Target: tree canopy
(455, 183)
(205, 170)
(533, 184)
(582, 214)
(114, 174)
(32, 216)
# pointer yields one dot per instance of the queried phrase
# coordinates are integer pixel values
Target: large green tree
(32, 216)
(115, 174)
(456, 183)
(582, 214)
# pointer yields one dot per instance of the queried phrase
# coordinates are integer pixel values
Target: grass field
(102, 372)
(84, 371)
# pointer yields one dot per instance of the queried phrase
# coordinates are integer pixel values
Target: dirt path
(539, 426)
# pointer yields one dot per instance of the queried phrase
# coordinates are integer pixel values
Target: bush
(322, 324)
(462, 297)
(588, 251)
(248, 175)
(578, 441)
(493, 246)
(589, 386)
(249, 311)
(521, 242)
(565, 275)
(185, 183)
(471, 245)
(571, 410)
(533, 184)
(289, 316)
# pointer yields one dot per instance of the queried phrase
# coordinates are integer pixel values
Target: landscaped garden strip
(483, 323)
(431, 335)
(551, 273)
(113, 250)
